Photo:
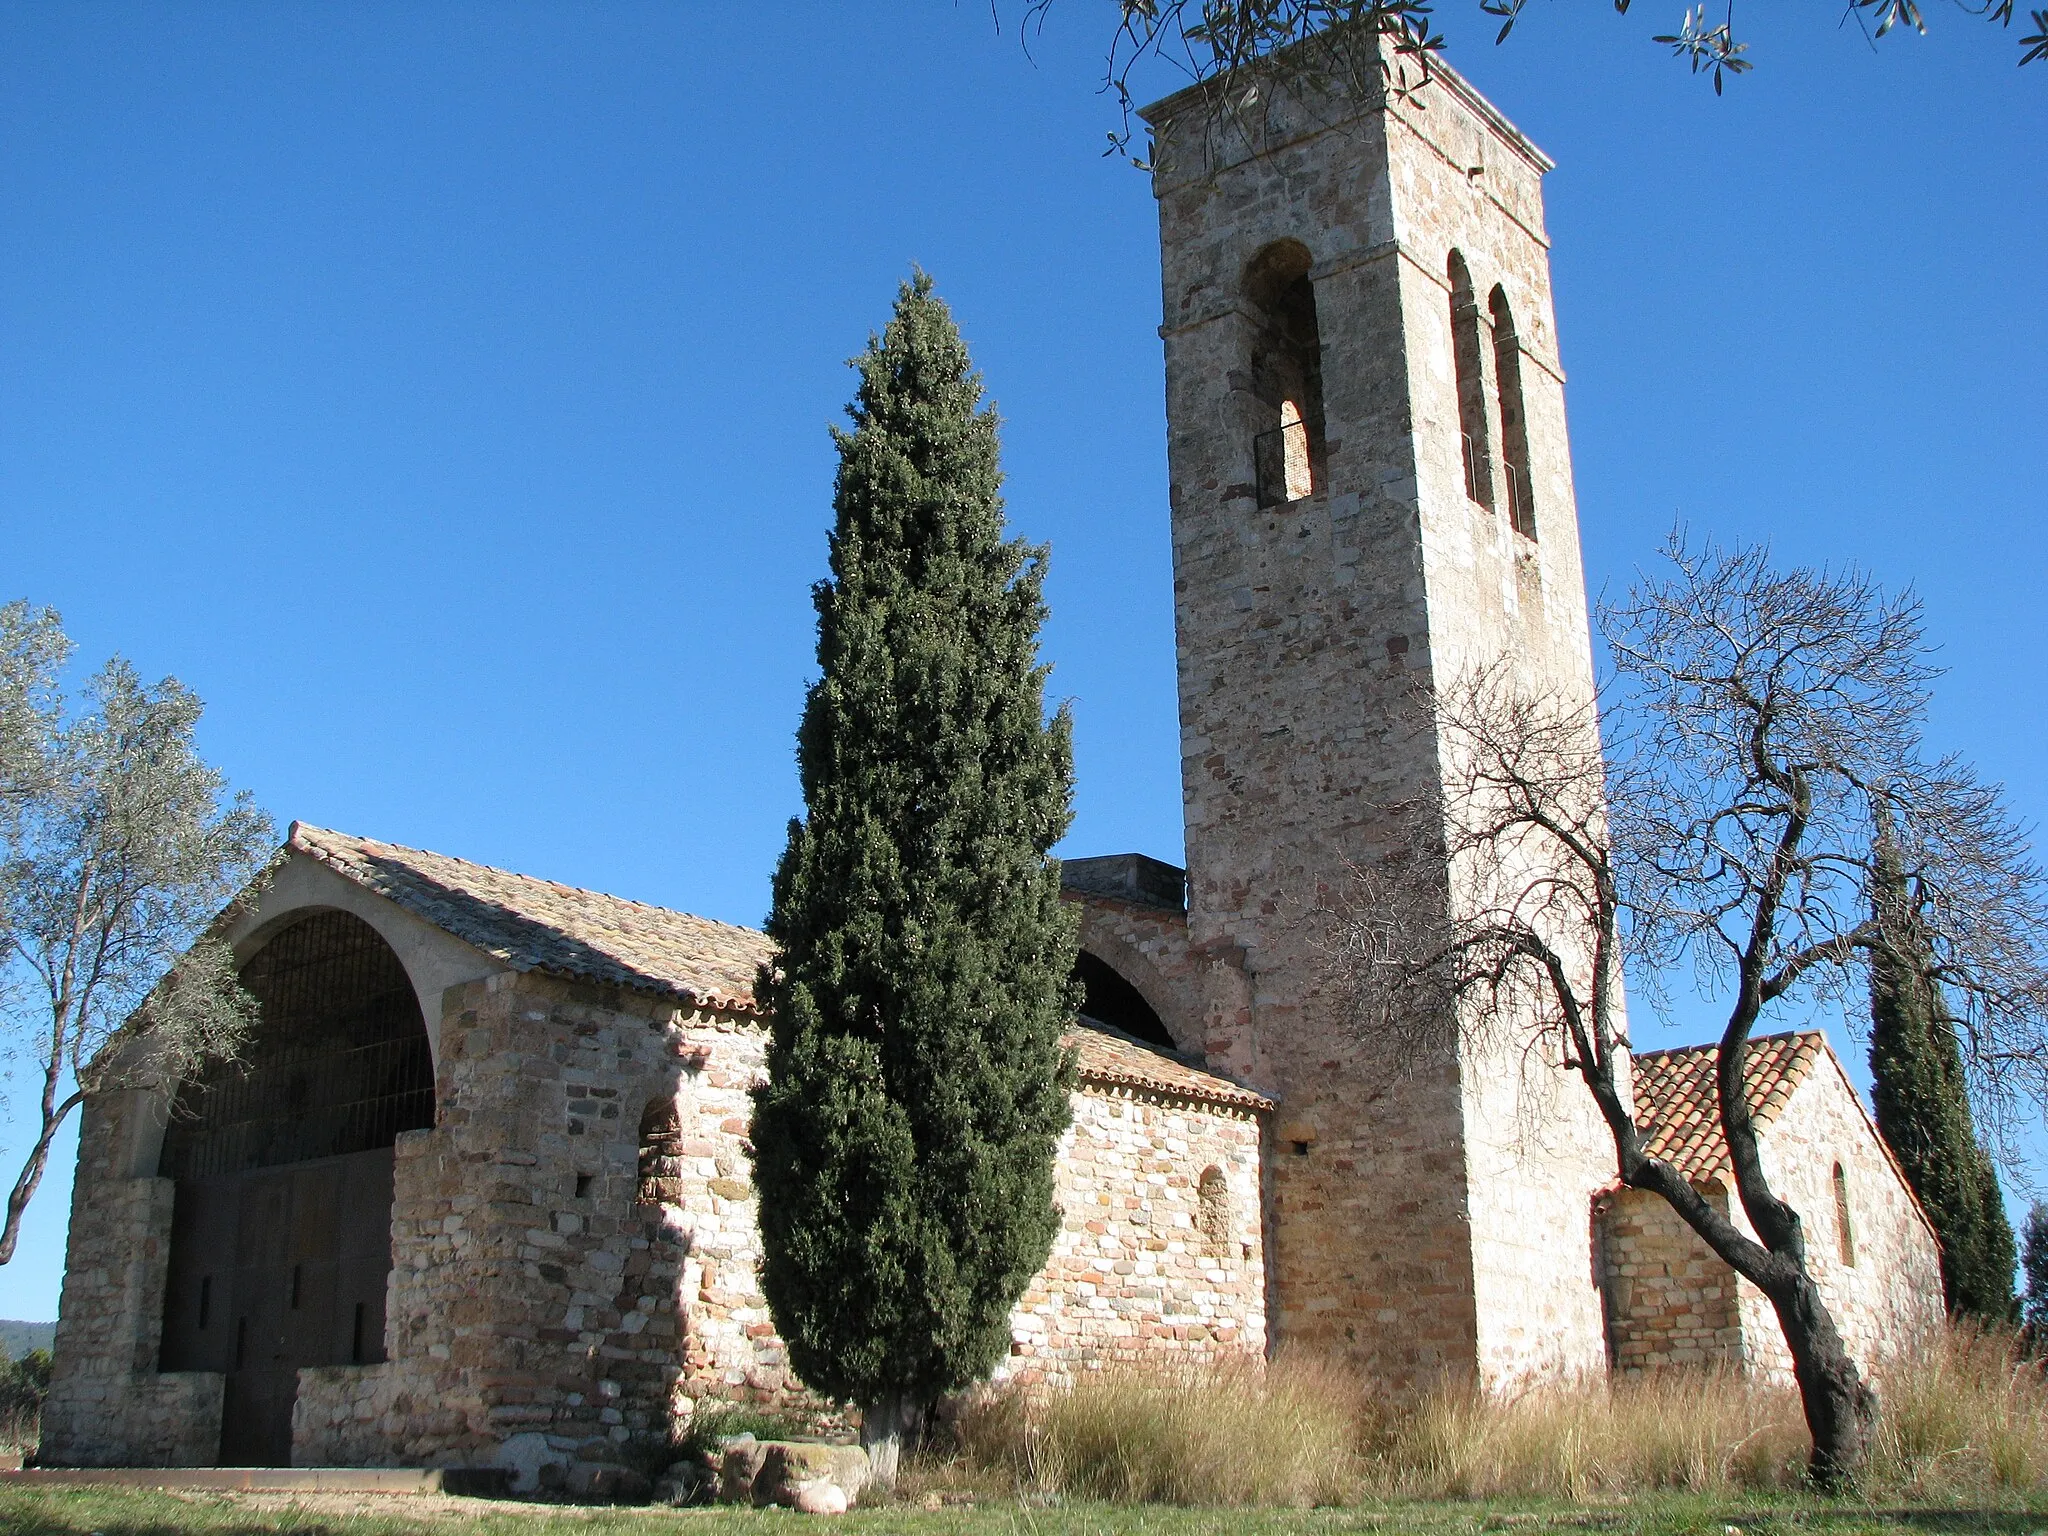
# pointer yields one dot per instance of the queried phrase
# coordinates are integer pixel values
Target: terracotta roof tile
(1677, 1103)
(1111, 1060)
(537, 925)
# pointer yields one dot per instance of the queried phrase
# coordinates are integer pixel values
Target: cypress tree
(1923, 1105)
(2034, 1262)
(917, 1088)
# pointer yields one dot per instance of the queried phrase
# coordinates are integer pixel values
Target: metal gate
(281, 1236)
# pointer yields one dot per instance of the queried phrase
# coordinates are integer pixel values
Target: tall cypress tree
(1923, 1106)
(917, 1089)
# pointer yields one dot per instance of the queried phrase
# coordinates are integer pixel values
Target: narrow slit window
(1514, 423)
(355, 1343)
(205, 1299)
(1474, 447)
(1845, 1231)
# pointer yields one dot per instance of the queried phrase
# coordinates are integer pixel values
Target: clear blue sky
(440, 389)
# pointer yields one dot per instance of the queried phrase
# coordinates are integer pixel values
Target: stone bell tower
(1371, 487)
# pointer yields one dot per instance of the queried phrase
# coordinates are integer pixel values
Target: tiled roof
(1111, 1060)
(537, 925)
(1678, 1106)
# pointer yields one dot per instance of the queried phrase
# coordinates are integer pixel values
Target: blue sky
(441, 389)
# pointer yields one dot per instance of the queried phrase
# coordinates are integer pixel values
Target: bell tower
(1371, 488)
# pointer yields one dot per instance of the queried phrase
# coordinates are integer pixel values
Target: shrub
(24, 1383)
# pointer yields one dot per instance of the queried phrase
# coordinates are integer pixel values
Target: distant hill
(17, 1338)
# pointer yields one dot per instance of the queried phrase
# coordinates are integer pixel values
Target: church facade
(480, 1193)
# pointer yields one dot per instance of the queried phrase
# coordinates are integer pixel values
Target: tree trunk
(1841, 1410)
(885, 1425)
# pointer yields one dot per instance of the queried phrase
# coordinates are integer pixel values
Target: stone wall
(1671, 1300)
(1159, 1255)
(1674, 1303)
(541, 1314)
(108, 1405)
(1889, 1300)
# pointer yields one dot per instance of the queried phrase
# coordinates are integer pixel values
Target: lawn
(124, 1512)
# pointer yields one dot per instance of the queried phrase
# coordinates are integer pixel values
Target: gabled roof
(1678, 1105)
(560, 930)
(537, 925)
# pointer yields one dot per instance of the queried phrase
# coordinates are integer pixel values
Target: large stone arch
(282, 1161)
(1113, 936)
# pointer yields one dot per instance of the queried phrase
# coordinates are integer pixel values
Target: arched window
(661, 1154)
(1466, 357)
(1514, 425)
(1212, 1196)
(1845, 1233)
(1286, 374)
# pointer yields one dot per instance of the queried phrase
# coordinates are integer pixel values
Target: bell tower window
(1466, 358)
(1514, 425)
(1286, 374)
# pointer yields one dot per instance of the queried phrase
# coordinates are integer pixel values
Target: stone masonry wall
(1671, 1300)
(542, 1317)
(108, 1406)
(1159, 1255)
(537, 1316)
(1889, 1301)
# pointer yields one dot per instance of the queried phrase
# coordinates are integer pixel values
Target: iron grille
(339, 1062)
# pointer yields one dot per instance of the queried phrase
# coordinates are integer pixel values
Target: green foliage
(24, 1383)
(713, 1422)
(917, 1088)
(1923, 1106)
(118, 845)
(2034, 1265)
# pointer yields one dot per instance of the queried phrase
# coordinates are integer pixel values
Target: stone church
(479, 1194)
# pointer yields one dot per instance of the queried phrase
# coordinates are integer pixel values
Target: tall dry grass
(1229, 1434)
(1967, 1418)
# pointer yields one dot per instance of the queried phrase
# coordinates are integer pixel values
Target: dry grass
(1966, 1420)
(1287, 1435)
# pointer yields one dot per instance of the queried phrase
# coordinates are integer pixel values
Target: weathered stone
(790, 1466)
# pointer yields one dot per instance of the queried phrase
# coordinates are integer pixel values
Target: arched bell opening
(281, 1230)
(1112, 1001)
(1286, 374)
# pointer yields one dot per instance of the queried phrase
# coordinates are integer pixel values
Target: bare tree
(120, 845)
(1363, 44)
(1765, 731)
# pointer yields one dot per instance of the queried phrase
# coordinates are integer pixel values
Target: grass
(1301, 1448)
(108, 1512)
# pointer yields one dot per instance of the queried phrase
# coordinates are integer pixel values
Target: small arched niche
(1514, 423)
(1468, 361)
(661, 1153)
(283, 1161)
(1108, 999)
(1286, 374)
